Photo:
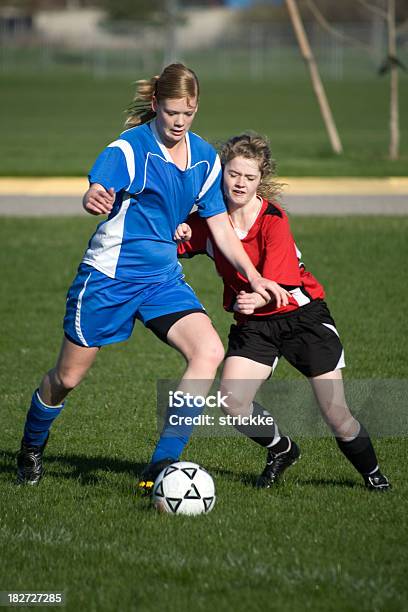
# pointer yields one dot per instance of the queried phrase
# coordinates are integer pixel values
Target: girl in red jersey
(302, 331)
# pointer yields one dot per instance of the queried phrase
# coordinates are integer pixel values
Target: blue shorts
(102, 310)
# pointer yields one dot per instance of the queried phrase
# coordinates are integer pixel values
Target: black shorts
(306, 337)
(160, 326)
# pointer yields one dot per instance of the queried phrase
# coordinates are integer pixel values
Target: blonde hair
(251, 145)
(176, 81)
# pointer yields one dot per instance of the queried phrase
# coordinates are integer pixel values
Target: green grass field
(56, 124)
(318, 542)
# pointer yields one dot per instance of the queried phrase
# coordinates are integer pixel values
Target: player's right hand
(269, 289)
(98, 201)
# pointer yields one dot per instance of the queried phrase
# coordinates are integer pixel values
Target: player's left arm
(246, 303)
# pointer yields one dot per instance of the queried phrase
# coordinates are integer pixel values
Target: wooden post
(314, 73)
(171, 49)
(394, 111)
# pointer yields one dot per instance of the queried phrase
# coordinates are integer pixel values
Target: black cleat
(276, 464)
(377, 482)
(29, 463)
(150, 473)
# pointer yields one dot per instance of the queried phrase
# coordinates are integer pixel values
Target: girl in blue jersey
(147, 181)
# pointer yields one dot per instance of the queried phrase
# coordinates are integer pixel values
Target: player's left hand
(247, 303)
(183, 233)
(267, 288)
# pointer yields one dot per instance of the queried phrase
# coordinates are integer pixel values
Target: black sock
(360, 452)
(282, 446)
(263, 433)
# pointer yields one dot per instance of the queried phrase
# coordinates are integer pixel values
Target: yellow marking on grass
(47, 186)
(345, 186)
(73, 186)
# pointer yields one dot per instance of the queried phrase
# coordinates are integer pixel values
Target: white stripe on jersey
(78, 312)
(299, 296)
(127, 151)
(298, 253)
(103, 253)
(148, 156)
(162, 148)
(216, 169)
(188, 150)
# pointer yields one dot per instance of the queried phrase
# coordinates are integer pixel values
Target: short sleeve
(111, 169)
(210, 201)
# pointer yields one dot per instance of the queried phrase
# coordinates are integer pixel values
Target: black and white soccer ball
(184, 488)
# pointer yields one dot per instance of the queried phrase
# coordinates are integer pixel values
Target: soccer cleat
(377, 482)
(276, 464)
(29, 463)
(150, 473)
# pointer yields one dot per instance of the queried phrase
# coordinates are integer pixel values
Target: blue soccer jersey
(153, 196)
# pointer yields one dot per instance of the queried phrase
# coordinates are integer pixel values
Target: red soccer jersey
(271, 248)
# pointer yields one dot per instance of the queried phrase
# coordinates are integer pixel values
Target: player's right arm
(112, 172)
(97, 200)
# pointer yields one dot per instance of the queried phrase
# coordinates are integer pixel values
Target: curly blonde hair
(251, 145)
(176, 81)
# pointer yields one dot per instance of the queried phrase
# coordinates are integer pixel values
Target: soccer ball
(184, 488)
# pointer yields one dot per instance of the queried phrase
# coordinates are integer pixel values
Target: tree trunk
(171, 48)
(394, 111)
(314, 73)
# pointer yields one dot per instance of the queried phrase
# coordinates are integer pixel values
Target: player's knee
(346, 429)
(210, 355)
(236, 401)
(216, 353)
(232, 405)
(220, 354)
(68, 378)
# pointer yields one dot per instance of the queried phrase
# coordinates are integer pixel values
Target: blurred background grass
(68, 67)
(55, 123)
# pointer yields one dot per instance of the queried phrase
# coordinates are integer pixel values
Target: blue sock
(39, 420)
(176, 433)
